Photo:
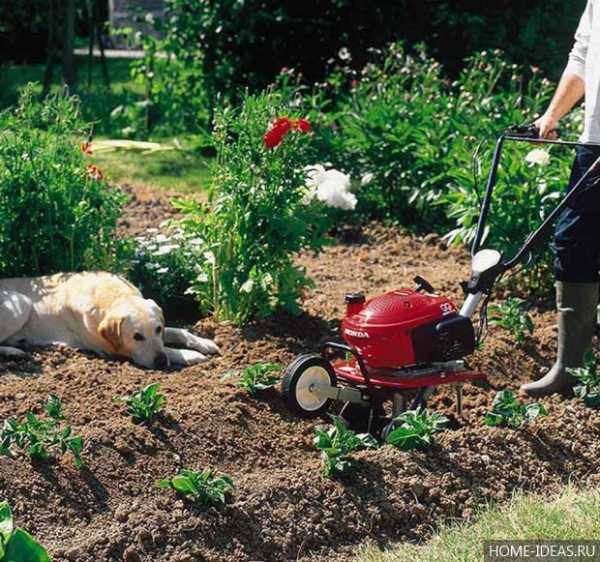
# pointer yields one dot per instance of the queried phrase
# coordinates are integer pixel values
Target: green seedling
(511, 316)
(507, 411)
(203, 488)
(257, 377)
(336, 443)
(588, 387)
(17, 545)
(39, 437)
(415, 429)
(146, 404)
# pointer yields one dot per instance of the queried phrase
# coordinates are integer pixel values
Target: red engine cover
(382, 330)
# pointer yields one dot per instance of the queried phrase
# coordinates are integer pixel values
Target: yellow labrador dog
(99, 312)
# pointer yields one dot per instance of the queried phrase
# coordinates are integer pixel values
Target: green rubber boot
(576, 304)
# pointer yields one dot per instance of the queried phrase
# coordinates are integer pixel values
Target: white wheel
(301, 381)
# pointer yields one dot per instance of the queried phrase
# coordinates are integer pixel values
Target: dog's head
(133, 327)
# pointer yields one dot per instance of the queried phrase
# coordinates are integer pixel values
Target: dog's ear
(159, 310)
(110, 330)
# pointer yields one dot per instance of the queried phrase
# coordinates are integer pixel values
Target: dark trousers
(577, 232)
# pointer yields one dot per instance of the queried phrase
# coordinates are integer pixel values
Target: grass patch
(572, 515)
(172, 170)
(181, 171)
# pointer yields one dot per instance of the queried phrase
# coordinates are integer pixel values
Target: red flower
(281, 127)
(302, 125)
(86, 148)
(94, 172)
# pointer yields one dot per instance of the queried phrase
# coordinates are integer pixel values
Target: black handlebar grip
(527, 131)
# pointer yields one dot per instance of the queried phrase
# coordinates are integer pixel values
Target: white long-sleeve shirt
(584, 61)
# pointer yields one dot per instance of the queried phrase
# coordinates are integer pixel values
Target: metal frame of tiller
(371, 389)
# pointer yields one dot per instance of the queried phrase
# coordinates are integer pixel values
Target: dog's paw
(185, 357)
(204, 346)
(191, 357)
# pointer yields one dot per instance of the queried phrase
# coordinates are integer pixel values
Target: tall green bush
(394, 130)
(258, 218)
(57, 213)
(411, 135)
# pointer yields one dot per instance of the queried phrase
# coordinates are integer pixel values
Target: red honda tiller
(410, 341)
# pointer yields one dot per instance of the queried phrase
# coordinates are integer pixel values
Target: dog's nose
(161, 361)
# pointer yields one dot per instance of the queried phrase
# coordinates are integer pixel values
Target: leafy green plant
(410, 135)
(415, 429)
(40, 437)
(336, 443)
(57, 211)
(257, 219)
(394, 130)
(588, 387)
(508, 411)
(144, 405)
(171, 74)
(203, 488)
(165, 266)
(259, 376)
(17, 545)
(511, 316)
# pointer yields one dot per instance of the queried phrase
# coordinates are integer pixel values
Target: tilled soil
(283, 508)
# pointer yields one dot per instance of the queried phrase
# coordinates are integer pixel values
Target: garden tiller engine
(400, 346)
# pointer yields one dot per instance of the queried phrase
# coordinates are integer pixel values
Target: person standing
(577, 232)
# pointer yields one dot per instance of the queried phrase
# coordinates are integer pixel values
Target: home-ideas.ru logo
(541, 551)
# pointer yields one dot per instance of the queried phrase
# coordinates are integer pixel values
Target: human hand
(547, 125)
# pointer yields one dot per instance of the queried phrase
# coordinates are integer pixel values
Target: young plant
(336, 443)
(203, 488)
(507, 411)
(415, 429)
(588, 388)
(146, 404)
(511, 316)
(39, 437)
(259, 376)
(17, 544)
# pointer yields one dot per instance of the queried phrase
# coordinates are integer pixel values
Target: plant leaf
(22, 547)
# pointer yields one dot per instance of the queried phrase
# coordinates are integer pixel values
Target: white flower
(210, 257)
(202, 278)
(333, 195)
(331, 187)
(162, 270)
(165, 249)
(161, 238)
(538, 156)
(314, 174)
(344, 54)
(152, 230)
(247, 286)
(367, 178)
(152, 265)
